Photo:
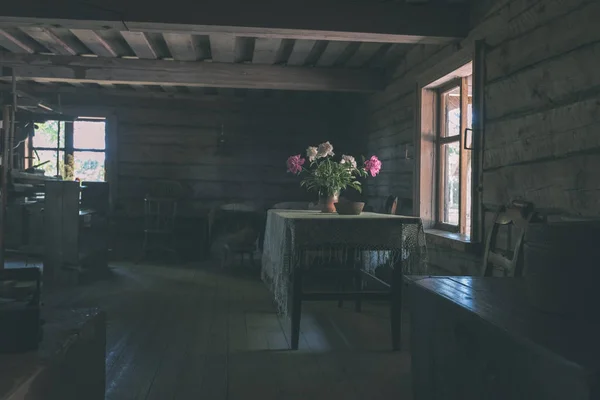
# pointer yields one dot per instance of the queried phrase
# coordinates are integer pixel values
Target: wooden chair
(242, 243)
(242, 226)
(391, 204)
(160, 212)
(509, 260)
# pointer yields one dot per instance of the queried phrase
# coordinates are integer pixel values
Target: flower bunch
(328, 176)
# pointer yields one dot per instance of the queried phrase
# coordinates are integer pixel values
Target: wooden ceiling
(262, 45)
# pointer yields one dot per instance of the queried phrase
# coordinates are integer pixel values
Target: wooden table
(479, 338)
(69, 364)
(292, 236)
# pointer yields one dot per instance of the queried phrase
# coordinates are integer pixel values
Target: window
(445, 155)
(48, 147)
(453, 175)
(89, 147)
(83, 139)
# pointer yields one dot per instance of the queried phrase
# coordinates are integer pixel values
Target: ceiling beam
(94, 42)
(180, 73)
(393, 22)
(49, 40)
(13, 44)
(139, 43)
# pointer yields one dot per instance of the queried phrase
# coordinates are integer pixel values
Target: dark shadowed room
(334, 199)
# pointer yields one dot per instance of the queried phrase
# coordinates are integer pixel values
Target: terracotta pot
(327, 202)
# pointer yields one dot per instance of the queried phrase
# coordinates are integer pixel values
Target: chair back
(160, 214)
(160, 206)
(391, 204)
(165, 189)
(509, 260)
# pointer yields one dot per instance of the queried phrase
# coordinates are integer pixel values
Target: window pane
(46, 134)
(451, 110)
(49, 155)
(450, 188)
(89, 135)
(89, 165)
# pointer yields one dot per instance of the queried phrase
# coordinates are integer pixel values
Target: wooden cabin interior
(153, 244)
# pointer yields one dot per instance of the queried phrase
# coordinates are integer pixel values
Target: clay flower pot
(327, 202)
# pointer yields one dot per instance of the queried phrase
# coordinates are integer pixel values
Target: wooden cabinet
(75, 237)
(479, 339)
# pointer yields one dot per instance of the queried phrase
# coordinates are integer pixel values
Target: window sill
(456, 241)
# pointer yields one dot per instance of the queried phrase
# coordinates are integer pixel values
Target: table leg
(296, 285)
(358, 282)
(396, 307)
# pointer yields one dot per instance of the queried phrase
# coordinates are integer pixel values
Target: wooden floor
(198, 332)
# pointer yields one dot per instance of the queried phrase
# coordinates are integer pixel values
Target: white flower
(311, 153)
(348, 160)
(325, 150)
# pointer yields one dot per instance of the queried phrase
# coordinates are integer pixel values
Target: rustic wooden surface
(111, 71)
(177, 139)
(69, 363)
(201, 332)
(541, 112)
(476, 338)
(436, 22)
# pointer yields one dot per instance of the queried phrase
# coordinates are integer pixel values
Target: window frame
(440, 140)
(60, 146)
(67, 147)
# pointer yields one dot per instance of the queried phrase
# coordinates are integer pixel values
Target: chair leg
(396, 307)
(296, 307)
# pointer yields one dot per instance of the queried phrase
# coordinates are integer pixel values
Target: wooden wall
(542, 114)
(177, 140)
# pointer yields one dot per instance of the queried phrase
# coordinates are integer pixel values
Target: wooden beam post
(199, 74)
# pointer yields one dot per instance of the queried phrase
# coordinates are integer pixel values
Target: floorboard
(200, 332)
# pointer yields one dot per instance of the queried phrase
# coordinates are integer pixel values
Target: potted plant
(329, 177)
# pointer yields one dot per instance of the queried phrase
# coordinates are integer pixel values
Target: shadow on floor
(199, 331)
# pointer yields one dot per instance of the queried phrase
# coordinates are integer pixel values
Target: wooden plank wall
(542, 114)
(177, 140)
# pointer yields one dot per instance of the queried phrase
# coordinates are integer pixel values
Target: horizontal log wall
(177, 140)
(542, 112)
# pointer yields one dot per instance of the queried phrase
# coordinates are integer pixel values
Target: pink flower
(294, 164)
(311, 153)
(373, 165)
(324, 150)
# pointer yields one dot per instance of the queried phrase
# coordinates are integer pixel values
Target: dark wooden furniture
(391, 204)
(514, 217)
(391, 292)
(353, 268)
(238, 228)
(75, 238)
(160, 213)
(20, 323)
(68, 365)
(476, 338)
